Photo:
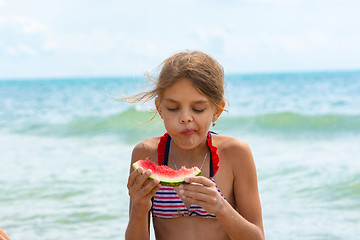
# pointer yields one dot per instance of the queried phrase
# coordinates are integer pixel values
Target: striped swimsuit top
(166, 202)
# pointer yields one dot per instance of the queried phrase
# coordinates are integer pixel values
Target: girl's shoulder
(145, 149)
(229, 144)
(235, 151)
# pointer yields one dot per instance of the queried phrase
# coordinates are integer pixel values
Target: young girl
(222, 203)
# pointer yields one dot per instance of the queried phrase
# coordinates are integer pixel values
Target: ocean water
(65, 148)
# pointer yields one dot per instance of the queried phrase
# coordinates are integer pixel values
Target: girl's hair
(202, 70)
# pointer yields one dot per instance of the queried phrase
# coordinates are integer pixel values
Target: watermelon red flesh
(166, 175)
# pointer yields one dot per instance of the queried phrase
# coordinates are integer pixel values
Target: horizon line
(137, 76)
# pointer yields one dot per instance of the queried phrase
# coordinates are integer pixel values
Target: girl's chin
(188, 142)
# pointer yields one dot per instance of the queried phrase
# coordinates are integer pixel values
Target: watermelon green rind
(161, 172)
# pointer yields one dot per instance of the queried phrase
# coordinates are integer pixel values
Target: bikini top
(166, 202)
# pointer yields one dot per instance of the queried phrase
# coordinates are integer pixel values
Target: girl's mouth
(188, 132)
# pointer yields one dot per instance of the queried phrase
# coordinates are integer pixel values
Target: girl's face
(187, 113)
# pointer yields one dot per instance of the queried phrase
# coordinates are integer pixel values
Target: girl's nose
(186, 117)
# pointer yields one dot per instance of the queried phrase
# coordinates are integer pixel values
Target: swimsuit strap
(164, 146)
(214, 157)
(163, 149)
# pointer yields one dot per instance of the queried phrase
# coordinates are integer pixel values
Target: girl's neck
(188, 157)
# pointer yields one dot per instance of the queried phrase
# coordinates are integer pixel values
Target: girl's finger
(133, 176)
(200, 180)
(145, 191)
(195, 188)
(205, 186)
(139, 182)
(209, 202)
(154, 190)
(194, 195)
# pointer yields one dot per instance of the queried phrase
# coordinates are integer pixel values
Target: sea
(66, 143)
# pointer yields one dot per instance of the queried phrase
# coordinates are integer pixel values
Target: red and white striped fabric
(167, 204)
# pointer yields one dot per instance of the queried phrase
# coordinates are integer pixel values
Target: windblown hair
(203, 71)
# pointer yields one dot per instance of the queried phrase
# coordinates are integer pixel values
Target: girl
(224, 202)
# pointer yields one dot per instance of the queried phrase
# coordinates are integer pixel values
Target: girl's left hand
(202, 192)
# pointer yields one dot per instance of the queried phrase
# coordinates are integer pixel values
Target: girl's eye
(172, 109)
(198, 110)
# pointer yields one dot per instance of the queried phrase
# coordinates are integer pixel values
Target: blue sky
(41, 38)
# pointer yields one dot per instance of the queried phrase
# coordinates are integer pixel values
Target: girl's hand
(141, 189)
(202, 192)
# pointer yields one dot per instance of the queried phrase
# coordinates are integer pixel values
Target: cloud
(120, 38)
(232, 42)
(254, 51)
(22, 24)
(22, 35)
(21, 49)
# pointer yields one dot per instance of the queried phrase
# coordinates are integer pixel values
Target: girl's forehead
(184, 89)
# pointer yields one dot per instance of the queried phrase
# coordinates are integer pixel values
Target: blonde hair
(201, 69)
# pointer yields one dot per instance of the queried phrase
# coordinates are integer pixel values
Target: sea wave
(290, 122)
(129, 125)
(134, 124)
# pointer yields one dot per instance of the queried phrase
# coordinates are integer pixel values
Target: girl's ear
(218, 110)
(158, 108)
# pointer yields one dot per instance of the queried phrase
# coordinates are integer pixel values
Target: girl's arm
(138, 226)
(3, 236)
(141, 190)
(245, 222)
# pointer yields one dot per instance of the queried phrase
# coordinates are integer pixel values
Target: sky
(42, 38)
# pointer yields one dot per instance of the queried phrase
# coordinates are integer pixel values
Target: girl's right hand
(141, 189)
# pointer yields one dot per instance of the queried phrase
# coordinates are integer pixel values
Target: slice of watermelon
(166, 175)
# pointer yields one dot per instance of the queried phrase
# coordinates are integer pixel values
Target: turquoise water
(65, 151)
